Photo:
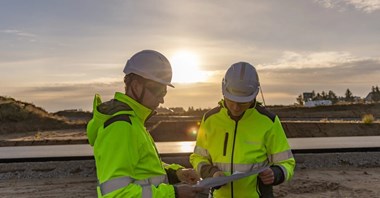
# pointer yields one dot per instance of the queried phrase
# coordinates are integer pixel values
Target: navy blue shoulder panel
(265, 112)
(120, 117)
(212, 112)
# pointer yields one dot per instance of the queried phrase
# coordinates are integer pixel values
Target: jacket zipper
(232, 157)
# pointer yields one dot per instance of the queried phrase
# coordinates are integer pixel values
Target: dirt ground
(332, 182)
(318, 183)
(70, 136)
(319, 180)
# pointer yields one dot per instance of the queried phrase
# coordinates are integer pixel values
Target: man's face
(154, 94)
(236, 108)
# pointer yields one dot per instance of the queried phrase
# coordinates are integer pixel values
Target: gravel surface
(323, 175)
(316, 175)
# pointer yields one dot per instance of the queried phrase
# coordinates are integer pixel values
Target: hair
(128, 79)
(131, 77)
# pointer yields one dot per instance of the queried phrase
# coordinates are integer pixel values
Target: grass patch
(368, 119)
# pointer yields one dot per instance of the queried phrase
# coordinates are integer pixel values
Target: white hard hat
(241, 83)
(151, 65)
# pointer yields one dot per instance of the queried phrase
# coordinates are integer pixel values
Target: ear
(134, 87)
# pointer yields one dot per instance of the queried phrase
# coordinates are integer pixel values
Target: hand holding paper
(219, 181)
(267, 176)
(188, 175)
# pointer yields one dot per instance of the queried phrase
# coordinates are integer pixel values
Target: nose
(235, 106)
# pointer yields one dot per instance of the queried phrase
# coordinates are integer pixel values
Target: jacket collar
(142, 112)
(248, 111)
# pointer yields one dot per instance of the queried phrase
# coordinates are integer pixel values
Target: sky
(58, 54)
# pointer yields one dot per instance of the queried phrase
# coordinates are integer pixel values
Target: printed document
(219, 181)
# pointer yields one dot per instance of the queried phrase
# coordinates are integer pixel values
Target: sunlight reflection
(187, 146)
(192, 131)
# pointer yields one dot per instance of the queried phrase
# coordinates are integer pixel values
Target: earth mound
(18, 116)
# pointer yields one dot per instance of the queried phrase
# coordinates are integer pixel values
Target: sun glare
(187, 146)
(186, 68)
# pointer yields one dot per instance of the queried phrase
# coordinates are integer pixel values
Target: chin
(151, 107)
(154, 107)
(236, 114)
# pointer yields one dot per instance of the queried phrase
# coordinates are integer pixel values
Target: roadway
(298, 145)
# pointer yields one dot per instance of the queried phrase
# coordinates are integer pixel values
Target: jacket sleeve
(118, 148)
(200, 159)
(279, 153)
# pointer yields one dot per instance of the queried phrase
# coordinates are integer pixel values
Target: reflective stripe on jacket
(255, 141)
(127, 162)
(120, 182)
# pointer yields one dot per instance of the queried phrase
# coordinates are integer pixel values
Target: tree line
(330, 95)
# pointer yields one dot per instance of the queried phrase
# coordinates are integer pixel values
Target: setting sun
(186, 68)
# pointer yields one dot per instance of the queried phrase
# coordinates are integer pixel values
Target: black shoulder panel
(121, 117)
(113, 106)
(212, 112)
(264, 111)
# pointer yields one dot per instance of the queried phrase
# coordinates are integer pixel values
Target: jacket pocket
(225, 144)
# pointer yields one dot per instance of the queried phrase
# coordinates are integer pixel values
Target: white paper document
(219, 181)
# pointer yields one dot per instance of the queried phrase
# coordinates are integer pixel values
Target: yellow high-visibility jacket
(255, 141)
(127, 162)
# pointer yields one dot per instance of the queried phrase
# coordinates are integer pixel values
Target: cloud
(17, 33)
(356, 72)
(57, 97)
(367, 6)
(297, 72)
(300, 60)
(197, 95)
(301, 46)
(279, 86)
(20, 35)
(284, 84)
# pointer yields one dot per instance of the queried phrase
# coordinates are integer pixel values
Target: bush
(368, 119)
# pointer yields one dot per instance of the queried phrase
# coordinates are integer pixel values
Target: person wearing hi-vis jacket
(127, 161)
(241, 135)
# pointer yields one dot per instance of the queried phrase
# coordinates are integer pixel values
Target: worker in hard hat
(127, 162)
(241, 135)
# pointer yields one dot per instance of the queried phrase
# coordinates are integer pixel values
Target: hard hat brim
(240, 99)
